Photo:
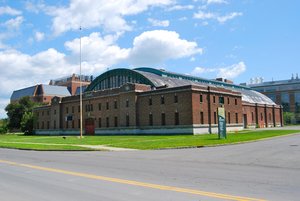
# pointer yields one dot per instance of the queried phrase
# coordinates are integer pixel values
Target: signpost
(222, 123)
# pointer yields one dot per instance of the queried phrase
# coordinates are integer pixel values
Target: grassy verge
(20, 141)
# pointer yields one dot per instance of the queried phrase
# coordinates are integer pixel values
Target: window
(215, 118)
(107, 105)
(127, 120)
(176, 118)
(235, 101)
(99, 122)
(99, 106)
(107, 122)
(67, 109)
(201, 118)
(127, 103)
(115, 104)
(54, 112)
(252, 116)
(228, 100)
(162, 100)
(175, 99)
(236, 118)
(116, 121)
(214, 99)
(150, 100)
(163, 119)
(229, 118)
(201, 98)
(48, 124)
(150, 119)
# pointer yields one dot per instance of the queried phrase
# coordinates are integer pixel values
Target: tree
(15, 111)
(288, 117)
(3, 126)
(27, 123)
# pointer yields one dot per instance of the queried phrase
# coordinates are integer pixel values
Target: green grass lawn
(20, 141)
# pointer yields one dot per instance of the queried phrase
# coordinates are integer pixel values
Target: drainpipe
(209, 110)
(256, 114)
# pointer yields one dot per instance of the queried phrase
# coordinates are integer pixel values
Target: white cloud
(9, 11)
(229, 72)
(159, 23)
(215, 16)
(108, 15)
(232, 71)
(39, 36)
(180, 7)
(98, 52)
(19, 70)
(14, 23)
(216, 2)
(205, 15)
(153, 47)
(230, 16)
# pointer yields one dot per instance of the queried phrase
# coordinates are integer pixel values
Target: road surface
(263, 170)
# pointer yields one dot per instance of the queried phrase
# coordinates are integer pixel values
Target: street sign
(221, 123)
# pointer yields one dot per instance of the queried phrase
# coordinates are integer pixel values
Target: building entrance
(90, 126)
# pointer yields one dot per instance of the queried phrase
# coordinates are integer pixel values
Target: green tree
(3, 126)
(27, 123)
(288, 117)
(15, 111)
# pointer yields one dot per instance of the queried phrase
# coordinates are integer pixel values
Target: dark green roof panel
(116, 78)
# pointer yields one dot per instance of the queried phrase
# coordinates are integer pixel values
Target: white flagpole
(80, 87)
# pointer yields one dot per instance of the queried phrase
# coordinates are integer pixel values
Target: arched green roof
(116, 78)
(160, 78)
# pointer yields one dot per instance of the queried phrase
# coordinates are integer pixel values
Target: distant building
(73, 82)
(40, 93)
(62, 87)
(152, 101)
(282, 92)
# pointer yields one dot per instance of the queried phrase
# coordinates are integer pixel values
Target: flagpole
(80, 86)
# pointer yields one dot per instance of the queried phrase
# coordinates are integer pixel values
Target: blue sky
(238, 40)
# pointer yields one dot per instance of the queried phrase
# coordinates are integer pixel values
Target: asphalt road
(266, 170)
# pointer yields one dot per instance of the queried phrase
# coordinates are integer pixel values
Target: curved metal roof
(160, 78)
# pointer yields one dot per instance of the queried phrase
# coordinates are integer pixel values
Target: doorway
(90, 126)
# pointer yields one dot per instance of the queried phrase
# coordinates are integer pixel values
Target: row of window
(90, 107)
(221, 100)
(162, 99)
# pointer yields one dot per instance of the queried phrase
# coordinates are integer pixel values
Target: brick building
(282, 92)
(40, 93)
(72, 82)
(151, 101)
